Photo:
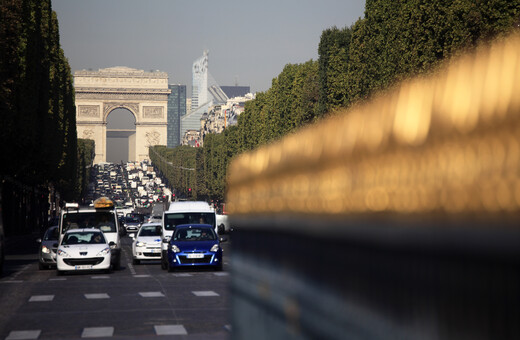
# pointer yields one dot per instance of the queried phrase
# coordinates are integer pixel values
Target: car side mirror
(166, 239)
(132, 236)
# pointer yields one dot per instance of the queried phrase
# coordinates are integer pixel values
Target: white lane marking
(97, 296)
(12, 281)
(97, 332)
(221, 274)
(143, 275)
(131, 267)
(205, 293)
(100, 277)
(41, 298)
(58, 279)
(21, 335)
(151, 294)
(170, 330)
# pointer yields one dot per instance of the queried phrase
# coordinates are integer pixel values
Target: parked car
(195, 245)
(48, 248)
(83, 249)
(147, 243)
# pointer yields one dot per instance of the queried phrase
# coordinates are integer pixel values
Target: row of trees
(394, 40)
(38, 141)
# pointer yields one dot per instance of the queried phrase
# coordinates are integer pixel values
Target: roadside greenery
(394, 40)
(38, 141)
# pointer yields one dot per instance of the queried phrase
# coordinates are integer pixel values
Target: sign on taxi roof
(103, 203)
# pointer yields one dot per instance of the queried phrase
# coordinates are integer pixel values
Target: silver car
(48, 248)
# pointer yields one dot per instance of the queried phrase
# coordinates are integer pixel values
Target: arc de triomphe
(144, 94)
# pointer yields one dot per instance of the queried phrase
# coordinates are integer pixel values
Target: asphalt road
(136, 302)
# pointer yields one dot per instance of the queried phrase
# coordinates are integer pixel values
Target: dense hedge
(38, 141)
(394, 40)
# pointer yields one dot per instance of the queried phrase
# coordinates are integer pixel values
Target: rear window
(103, 220)
(174, 219)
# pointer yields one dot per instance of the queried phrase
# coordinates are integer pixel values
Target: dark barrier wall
(397, 219)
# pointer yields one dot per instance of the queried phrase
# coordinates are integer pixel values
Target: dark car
(132, 224)
(195, 245)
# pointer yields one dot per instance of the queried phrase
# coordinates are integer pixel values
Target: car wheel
(136, 261)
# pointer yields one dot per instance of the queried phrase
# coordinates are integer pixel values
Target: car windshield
(132, 220)
(86, 237)
(173, 219)
(103, 220)
(194, 234)
(51, 234)
(150, 230)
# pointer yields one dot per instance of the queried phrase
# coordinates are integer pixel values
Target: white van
(103, 217)
(184, 212)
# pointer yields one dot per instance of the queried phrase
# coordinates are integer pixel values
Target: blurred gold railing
(444, 144)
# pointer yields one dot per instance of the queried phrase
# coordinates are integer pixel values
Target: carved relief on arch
(88, 134)
(132, 107)
(153, 138)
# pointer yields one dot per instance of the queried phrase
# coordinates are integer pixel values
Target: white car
(83, 249)
(147, 243)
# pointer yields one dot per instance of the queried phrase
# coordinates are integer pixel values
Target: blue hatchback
(195, 245)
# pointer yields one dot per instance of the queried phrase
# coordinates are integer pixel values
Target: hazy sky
(249, 42)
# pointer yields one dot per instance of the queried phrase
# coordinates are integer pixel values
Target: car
(194, 245)
(132, 224)
(184, 212)
(102, 216)
(147, 243)
(83, 249)
(48, 248)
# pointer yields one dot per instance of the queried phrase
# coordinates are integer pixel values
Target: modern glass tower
(176, 109)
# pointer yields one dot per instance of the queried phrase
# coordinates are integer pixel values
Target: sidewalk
(22, 244)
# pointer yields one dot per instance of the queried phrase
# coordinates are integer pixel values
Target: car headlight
(63, 253)
(104, 252)
(214, 248)
(45, 250)
(140, 244)
(175, 249)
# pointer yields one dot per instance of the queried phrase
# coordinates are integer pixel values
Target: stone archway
(144, 94)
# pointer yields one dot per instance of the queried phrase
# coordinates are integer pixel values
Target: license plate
(85, 266)
(154, 250)
(195, 256)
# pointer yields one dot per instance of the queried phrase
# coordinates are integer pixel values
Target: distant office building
(236, 91)
(199, 73)
(176, 109)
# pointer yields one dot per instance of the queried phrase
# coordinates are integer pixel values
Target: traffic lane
(132, 305)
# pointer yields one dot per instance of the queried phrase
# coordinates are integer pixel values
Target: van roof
(195, 206)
